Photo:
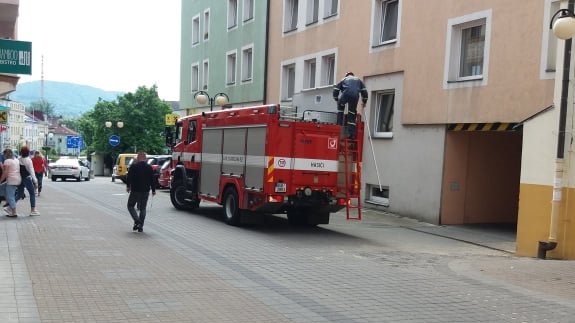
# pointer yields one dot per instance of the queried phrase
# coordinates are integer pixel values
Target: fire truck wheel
(178, 197)
(231, 207)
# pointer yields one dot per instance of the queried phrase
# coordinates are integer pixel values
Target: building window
(312, 11)
(309, 73)
(551, 39)
(288, 82)
(472, 48)
(330, 8)
(231, 68)
(383, 121)
(205, 75)
(386, 21)
(290, 15)
(195, 30)
(232, 13)
(248, 10)
(468, 45)
(378, 194)
(195, 77)
(328, 70)
(206, 25)
(247, 64)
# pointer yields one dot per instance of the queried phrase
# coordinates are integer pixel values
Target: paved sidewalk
(553, 278)
(45, 281)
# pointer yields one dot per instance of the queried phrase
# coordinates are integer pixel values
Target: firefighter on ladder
(350, 87)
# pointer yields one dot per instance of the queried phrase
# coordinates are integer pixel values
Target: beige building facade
(455, 89)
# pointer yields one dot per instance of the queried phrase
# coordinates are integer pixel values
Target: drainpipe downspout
(557, 201)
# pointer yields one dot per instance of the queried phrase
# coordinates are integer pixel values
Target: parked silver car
(65, 168)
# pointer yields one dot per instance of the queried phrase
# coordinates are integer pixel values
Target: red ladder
(352, 173)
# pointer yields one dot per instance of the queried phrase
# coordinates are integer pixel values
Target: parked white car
(65, 168)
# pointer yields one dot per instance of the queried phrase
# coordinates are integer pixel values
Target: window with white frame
(328, 70)
(206, 25)
(330, 8)
(290, 15)
(468, 47)
(386, 21)
(247, 64)
(205, 75)
(232, 13)
(383, 120)
(195, 30)
(551, 54)
(195, 78)
(248, 11)
(231, 60)
(288, 82)
(312, 11)
(309, 69)
(378, 194)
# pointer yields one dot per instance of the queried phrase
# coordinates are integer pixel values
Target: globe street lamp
(220, 99)
(563, 28)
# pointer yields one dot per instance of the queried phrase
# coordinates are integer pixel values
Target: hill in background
(69, 99)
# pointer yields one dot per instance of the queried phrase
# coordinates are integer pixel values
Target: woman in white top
(11, 173)
(29, 181)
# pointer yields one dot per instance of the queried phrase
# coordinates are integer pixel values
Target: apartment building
(223, 51)
(453, 86)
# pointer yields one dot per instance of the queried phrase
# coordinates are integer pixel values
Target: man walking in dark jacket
(139, 182)
(350, 87)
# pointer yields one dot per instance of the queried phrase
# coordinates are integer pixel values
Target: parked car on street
(165, 173)
(121, 167)
(65, 168)
(156, 161)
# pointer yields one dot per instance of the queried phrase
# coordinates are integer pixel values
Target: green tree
(46, 107)
(142, 114)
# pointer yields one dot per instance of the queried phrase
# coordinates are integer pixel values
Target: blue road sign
(114, 140)
(72, 141)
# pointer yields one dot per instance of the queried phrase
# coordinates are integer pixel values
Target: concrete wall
(410, 164)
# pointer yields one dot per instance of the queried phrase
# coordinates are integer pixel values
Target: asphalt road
(80, 262)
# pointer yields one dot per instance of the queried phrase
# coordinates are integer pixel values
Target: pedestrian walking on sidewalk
(139, 182)
(40, 169)
(29, 181)
(10, 180)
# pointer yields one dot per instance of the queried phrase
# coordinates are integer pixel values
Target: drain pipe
(551, 242)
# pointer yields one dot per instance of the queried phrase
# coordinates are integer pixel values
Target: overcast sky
(114, 45)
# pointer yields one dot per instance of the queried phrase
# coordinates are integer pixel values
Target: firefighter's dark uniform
(350, 88)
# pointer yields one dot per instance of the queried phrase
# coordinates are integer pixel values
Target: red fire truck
(264, 160)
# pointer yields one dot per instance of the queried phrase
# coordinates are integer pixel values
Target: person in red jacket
(40, 168)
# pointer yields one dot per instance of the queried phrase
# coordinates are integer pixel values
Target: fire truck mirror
(169, 137)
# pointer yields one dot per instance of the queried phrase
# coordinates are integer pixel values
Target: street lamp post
(46, 146)
(563, 25)
(220, 99)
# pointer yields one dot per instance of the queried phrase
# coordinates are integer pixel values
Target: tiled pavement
(78, 268)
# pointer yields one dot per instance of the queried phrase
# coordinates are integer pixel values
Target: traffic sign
(73, 142)
(114, 140)
(171, 119)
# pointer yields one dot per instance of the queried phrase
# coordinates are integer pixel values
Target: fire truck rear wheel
(231, 207)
